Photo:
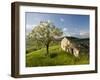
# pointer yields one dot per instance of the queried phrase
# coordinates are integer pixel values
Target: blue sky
(71, 25)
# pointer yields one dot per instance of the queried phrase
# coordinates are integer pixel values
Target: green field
(56, 57)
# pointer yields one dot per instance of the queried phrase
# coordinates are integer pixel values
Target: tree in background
(45, 33)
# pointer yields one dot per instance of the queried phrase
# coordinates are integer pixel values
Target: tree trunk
(47, 47)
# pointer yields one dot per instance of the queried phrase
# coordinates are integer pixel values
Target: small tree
(45, 32)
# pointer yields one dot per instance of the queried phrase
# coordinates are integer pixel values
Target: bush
(53, 55)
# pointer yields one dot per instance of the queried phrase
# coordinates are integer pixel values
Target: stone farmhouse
(70, 46)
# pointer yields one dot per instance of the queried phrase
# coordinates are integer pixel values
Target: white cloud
(78, 34)
(66, 32)
(84, 34)
(65, 29)
(61, 19)
(29, 28)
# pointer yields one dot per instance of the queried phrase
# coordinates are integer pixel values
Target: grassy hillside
(56, 57)
(34, 45)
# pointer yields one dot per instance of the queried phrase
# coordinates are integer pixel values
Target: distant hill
(72, 38)
(31, 45)
(82, 42)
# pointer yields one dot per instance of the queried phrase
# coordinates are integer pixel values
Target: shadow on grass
(53, 55)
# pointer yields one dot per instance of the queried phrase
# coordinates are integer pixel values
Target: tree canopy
(44, 33)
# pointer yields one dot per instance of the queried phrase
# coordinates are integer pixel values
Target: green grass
(56, 57)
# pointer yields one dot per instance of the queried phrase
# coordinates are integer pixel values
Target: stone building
(70, 46)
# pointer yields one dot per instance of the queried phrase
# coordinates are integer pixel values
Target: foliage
(44, 33)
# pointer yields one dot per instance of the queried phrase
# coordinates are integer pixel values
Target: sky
(70, 24)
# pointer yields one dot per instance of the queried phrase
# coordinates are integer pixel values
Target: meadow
(56, 57)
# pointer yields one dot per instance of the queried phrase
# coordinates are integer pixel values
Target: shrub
(53, 55)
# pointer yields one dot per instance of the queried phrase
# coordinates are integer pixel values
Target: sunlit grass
(56, 57)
